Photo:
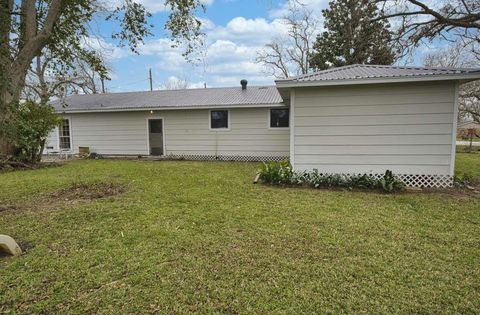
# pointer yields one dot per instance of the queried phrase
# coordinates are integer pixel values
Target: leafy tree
(351, 37)
(28, 129)
(30, 27)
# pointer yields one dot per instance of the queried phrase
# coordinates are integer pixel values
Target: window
(219, 119)
(279, 118)
(64, 133)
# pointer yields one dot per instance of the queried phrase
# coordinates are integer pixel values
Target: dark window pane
(218, 119)
(279, 118)
(156, 126)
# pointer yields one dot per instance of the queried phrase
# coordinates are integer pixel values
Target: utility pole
(150, 75)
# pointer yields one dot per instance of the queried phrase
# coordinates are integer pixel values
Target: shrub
(282, 173)
(28, 129)
(276, 173)
(390, 183)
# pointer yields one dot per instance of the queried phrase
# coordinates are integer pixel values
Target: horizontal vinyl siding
(52, 141)
(406, 128)
(186, 133)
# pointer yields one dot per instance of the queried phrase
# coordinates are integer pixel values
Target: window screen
(64, 132)
(219, 119)
(279, 118)
(156, 126)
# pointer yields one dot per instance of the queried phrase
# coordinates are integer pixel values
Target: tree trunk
(6, 145)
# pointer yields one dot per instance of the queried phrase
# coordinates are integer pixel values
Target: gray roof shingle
(359, 72)
(210, 97)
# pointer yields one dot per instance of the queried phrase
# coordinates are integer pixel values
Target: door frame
(163, 134)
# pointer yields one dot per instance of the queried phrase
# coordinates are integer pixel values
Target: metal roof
(362, 72)
(165, 99)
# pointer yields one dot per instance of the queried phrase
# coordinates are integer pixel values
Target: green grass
(200, 237)
(468, 164)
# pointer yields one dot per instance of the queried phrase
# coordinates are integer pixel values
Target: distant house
(464, 128)
(347, 120)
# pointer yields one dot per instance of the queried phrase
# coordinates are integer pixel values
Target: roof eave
(449, 77)
(149, 108)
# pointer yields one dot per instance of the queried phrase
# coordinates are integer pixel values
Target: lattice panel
(239, 158)
(426, 181)
(416, 180)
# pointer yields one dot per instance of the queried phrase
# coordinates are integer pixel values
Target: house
(346, 120)
(466, 128)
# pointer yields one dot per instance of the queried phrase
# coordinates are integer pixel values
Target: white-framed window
(219, 119)
(279, 118)
(65, 142)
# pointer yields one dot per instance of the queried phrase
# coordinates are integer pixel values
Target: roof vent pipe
(244, 84)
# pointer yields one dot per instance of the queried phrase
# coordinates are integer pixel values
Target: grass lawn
(468, 164)
(200, 237)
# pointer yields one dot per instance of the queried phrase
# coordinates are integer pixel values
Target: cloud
(155, 6)
(316, 6)
(252, 31)
(108, 51)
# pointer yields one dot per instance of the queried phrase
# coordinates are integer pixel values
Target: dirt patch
(89, 191)
(7, 208)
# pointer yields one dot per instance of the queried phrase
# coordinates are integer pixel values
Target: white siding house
(186, 133)
(348, 120)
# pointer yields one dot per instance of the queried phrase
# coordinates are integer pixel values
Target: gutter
(108, 110)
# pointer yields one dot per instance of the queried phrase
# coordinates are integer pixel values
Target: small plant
(363, 181)
(276, 173)
(390, 183)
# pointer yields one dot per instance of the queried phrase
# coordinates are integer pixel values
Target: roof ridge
(369, 71)
(330, 70)
(163, 91)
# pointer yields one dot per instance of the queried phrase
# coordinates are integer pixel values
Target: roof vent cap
(244, 84)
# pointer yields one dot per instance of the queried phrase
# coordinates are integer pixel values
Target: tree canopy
(423, 21)
(351, 37)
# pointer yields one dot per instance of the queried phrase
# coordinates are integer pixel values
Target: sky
(235, 31)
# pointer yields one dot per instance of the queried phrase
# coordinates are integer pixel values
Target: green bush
(276, 173)
(390, 183)
(28, 129)
(282, 173)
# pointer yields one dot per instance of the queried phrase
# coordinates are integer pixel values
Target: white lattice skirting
(416, 180)
(239, 158)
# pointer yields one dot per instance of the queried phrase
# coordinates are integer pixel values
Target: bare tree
(459, 56)
(174, 83)
(419, 21)
(44, 81)
(288, 55)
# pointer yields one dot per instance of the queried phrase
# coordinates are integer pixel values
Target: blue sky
(235, 31)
